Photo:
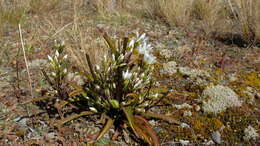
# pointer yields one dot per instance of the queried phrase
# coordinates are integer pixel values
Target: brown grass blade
(139, 128)
(147, 129)
(70, 118)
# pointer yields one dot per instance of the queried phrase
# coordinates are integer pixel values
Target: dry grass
(210, 14)
(232, 16)
(175, 12)
(246, 15)
(43, 6)
(11, 14)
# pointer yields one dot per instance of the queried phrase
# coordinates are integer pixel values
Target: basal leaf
(147, 130)
(75, 92)
(36, 99)
(138, 129)
(72, 117)
(110, 43)
(108, 125)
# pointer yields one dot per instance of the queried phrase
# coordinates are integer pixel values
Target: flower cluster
(126, 71)
(58, 63)
(144, 48)
(119, 88)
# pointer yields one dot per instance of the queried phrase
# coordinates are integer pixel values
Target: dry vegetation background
(77, 23)
(64, 19)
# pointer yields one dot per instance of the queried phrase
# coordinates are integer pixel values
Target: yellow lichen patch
(252, 79)
(205, 125)
(198, 125)
(216, 124)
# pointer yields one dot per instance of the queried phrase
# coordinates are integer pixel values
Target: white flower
(53, 73)
(65, 70)
(184, 142)
(183, 125)
(131, 44)
(50, 58)
(142, 37)
(97, 67)
(149, 58)
(97, 87)
(138, 84)
(127, 74)
(57, 53)
(93, 109)
(114, 85)
(113, 57)
(65, 56)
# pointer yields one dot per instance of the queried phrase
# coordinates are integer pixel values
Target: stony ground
(215, 88)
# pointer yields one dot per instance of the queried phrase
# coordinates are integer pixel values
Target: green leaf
(110, 43)
(108, 125)
(114, 103)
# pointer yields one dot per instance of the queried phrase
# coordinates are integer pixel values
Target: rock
(197, 108)
(6, 75)
(250, 133)
(183, 125)
(169, 68)
(249, 91)
(216, 137)
(184, 142)
(232, 77)
(51, 135)
(210, 142)
(193, 73)
(187, 113)
(152, 122)
(37, 63)
(181, 106)
(74, 77)
(218, 98)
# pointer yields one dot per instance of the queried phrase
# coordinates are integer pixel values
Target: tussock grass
(246, 15)
(231, 16)
(174, 12)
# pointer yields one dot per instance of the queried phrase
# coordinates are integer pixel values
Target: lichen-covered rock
(218, 98)
(37, 63)
(193, 72)
(250, 133)
(182, 106)
(166, 53)
(169, 68)
(74, 77)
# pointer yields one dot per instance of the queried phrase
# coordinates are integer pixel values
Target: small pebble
(216, 137)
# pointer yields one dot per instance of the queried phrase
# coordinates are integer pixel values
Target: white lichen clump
(169, 68)
(74, 77)
(193, 72)
(218, 98)
(250, 133)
